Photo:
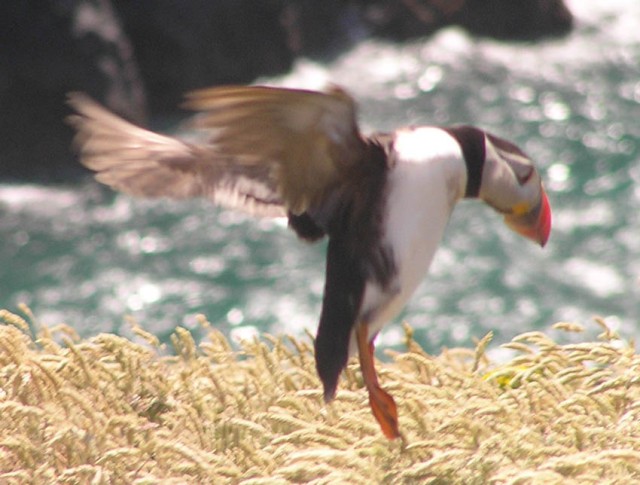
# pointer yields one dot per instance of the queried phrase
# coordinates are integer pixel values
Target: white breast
(423, 187)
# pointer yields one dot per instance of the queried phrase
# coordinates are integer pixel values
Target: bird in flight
(382, 200)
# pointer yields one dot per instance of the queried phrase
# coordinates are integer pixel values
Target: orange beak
(534, 224)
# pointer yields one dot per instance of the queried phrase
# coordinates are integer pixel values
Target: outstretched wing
(267, 150)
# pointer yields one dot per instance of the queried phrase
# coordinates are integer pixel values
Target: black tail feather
(344, 289)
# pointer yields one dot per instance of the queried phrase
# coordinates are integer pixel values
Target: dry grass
(108, 410)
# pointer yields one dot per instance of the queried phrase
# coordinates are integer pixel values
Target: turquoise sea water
(82, 255)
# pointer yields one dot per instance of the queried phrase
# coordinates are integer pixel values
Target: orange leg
(382, 404)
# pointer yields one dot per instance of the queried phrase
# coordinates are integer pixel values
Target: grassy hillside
(111, 410)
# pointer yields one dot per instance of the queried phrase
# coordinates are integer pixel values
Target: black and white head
(505, 178)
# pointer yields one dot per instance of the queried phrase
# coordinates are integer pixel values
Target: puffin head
(511, 185)
(503, 176)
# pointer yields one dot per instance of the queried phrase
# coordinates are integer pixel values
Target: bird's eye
(524, 177)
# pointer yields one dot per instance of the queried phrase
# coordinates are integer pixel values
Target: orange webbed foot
(382, 404)
(385, 411)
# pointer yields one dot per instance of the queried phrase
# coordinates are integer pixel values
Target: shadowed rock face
(516, 19)
(503, 19)
(47, 48)
(127, 54)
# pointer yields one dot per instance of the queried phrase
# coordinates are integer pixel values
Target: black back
(355, 254)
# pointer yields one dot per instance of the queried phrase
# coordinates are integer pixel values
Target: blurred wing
(269, 150)
(308, 139)
(147, 164)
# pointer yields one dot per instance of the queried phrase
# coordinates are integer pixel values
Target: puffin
(383, 200)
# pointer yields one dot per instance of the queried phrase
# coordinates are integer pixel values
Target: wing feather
(308, 139)
(147, 164)
(266, 150)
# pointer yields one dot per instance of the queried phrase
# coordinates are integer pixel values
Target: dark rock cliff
(140, 57)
